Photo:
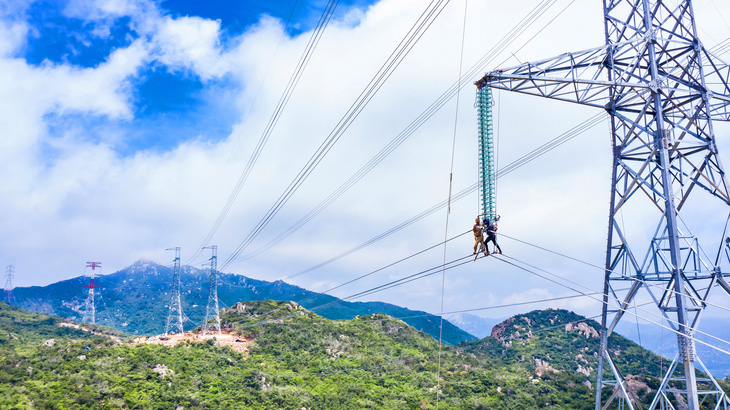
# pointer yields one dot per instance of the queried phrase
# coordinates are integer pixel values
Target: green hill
(298, 359)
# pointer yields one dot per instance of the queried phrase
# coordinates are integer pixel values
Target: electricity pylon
(175, 315)
(90, 305)
(662, 89)
(211, 311)
(9, 274)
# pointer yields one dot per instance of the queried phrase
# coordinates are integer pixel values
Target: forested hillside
(297, 359)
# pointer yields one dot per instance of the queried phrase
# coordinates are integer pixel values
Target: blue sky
(126, 123)
(164, 98)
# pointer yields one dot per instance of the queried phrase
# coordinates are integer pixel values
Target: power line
(416, 276)
(554, 143)
(502, 259)
(396, 262)
(531, 302)
(274, 119)
(362, 276)
(672, 291)
(530, 156)
(585, 287)
(427, 18)
(460, 261)
(436, 106)
(448, 207)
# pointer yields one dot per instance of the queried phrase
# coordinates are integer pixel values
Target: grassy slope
(297, 359)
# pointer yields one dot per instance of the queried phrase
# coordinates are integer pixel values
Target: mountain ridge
(134, 300)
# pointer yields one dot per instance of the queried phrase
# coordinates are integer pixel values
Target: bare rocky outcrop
(499, 332)
(163, 371)
(542, 366)
(239, 307)
(583, 328)
(585, 370)
(512, 328)
(634, 384)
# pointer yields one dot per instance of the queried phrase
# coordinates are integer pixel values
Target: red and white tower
(90, 306)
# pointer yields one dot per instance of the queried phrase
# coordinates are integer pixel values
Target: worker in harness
(491, 229)
(478, 236)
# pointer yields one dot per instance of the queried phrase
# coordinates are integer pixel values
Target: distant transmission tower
(175, 315)
(9, 273)
(211, 311)
(662, 90)
(90, 306)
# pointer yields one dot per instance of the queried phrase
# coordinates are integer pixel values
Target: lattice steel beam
(663, 89)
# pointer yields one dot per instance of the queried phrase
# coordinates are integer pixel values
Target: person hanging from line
(491, 229)
(478, 230)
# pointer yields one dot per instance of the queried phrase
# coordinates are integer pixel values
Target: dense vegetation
(299, 359)
(135, 300)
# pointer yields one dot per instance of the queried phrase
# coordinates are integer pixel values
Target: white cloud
(12, 37)
(190, 43)
(88, 202)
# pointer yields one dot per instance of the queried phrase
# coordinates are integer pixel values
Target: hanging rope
(448, 208)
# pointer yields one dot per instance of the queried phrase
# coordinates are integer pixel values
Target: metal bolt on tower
(211, 311)
(662, 89)
(90, 305)
(175, 314)
(9, 274)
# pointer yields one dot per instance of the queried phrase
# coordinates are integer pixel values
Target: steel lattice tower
(662, 89)
(211, 311)
(175, 315)
(90, 305)
(487, 176)
(9, 274)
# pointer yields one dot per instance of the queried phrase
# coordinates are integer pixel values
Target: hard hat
(477, 220)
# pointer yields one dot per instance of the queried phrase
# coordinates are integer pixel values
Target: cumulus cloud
(190, 43)
(71, 197)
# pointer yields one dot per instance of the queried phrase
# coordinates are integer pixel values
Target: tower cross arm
(579, 77)
(615, 77)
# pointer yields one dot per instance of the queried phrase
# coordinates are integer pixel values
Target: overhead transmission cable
(448, 207)
(435, 107)
(585, 287)
(392, 264)
(300, 301)
(278, 320)
(415, 33)
(423, 356)
(419, 275)
(514, 165)
(554, 143)
(503, 258)
(296, 75)
(466, 259)
(244, 122)
(644, 282)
